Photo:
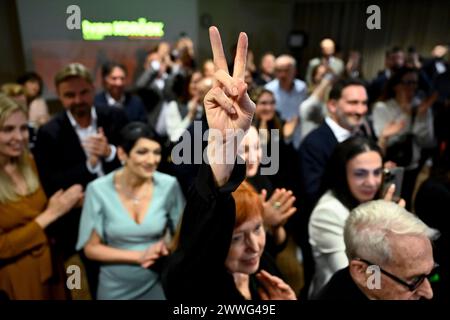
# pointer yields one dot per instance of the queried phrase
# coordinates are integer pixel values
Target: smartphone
(393, 176)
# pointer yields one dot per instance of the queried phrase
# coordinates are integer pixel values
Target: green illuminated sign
(139, 28)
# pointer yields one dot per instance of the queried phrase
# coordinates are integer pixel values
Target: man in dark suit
(114, 81)
(347, 106)
(394, 59)
(390, 256)
(76, 146)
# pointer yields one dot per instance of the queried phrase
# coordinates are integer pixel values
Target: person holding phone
(354, 175)
(125, 217)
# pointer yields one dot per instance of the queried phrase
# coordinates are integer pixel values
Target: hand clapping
(278, 208)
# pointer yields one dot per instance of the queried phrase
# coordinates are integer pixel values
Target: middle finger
(240, 59)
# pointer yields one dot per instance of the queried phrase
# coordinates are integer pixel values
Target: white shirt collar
(75, 124)
(113, 102)
(340, 133)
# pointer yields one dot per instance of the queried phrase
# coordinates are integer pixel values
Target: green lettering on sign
(140, 28)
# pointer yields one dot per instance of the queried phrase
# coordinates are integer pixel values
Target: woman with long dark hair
(353, 176)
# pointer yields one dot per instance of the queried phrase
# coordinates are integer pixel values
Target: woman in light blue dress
(126, 216)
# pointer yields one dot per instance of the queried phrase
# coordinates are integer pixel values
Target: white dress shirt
(83, 134)
(113, 102)
(340, 133)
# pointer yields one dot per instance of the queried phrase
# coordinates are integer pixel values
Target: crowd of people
(98, 180)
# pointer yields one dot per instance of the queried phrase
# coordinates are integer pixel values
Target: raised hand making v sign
(221, 241)
(229, 109)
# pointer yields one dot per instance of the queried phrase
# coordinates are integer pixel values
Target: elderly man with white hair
(390, 256)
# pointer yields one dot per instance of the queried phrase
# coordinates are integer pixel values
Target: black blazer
(314, 153)
(196, 270)
(133, 106)
(59, 155)
(342, 287)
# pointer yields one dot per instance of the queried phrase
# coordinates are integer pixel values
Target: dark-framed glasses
(433, 276)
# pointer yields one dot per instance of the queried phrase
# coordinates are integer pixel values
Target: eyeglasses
(433, 276)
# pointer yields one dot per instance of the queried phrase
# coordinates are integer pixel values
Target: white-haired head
(285, 70)
(369, 226)
(285, 60)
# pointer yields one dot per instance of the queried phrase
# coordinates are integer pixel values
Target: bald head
(285, 70)
(327, 47)
(284, 61)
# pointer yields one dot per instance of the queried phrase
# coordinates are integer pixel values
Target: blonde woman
(26, 270)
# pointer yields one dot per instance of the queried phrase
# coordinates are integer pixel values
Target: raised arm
(229, 109)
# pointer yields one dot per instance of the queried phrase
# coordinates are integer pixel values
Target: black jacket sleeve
(60, 160)
(196, 270)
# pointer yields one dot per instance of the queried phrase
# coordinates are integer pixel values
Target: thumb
(58, 193)
(164, 250)
(245, 103)
(160, 247)
(389, 193)
(402, 203)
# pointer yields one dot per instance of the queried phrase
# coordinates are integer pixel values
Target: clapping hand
(153, 253)
(393, 128)
(427, 103)
(97, 144)
(62, 201)
(273, 288)
(289, 127)
(278, 208)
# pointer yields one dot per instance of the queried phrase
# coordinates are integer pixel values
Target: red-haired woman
(220, 251)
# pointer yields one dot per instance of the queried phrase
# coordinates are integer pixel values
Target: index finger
(240, 59)
(216, 45)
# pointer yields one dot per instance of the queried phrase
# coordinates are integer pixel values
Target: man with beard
(114, 77)
(347, 106)
(76, 147)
